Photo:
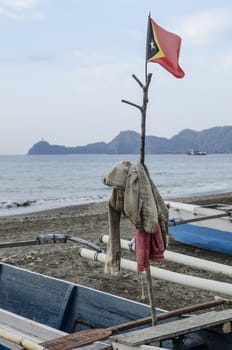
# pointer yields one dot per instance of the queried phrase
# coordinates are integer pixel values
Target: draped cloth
(135, 195)
(113, 255)
(148, 247)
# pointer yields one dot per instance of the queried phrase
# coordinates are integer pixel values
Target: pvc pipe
(188, 280)
(20, 340)
(206, 265)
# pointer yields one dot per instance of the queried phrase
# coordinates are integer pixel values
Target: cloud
(76, 55)
(18, 4)
(226, 61)
(85, 58)
(20, 9)
(9, 14)
(40, 58)
(205, 28)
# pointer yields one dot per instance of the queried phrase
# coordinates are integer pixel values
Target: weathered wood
(143, 119)
(26, 327)
(36, 332)
(176, 328)
(143, 110)
(169, 314)
(222, 328)
(151, 296)
(77, 339)
(227, 328)
(62, 304)
(117, 346)
(132, 104)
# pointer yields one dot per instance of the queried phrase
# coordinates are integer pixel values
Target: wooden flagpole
(143, 110)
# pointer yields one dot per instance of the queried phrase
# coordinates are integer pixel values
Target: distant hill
(213, 140)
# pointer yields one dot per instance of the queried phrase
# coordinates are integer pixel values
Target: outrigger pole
(143, 110)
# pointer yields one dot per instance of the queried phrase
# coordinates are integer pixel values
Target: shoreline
(204, 199)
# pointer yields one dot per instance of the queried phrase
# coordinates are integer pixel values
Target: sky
(65, 66)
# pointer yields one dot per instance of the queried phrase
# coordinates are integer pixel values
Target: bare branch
(138, 81)
(133, 104)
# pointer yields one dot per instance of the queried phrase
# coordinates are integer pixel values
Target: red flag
(163, 47)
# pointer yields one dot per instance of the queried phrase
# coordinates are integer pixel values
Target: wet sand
(90, 221)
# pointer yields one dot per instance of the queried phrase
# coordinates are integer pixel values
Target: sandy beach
(90, 221)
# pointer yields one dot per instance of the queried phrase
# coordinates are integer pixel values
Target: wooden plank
(222, 328)
(117, 346)
(96, 346)
(172, 329)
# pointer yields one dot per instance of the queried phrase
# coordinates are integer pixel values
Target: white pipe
(192, 281)
(187, 260)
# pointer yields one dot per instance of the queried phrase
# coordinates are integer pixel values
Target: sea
(30, 183)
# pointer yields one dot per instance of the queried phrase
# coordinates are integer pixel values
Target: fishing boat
(193, 152)
(207, 227)
(38, 312)
(47, 308)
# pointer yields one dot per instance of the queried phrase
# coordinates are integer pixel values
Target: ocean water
(33, 183)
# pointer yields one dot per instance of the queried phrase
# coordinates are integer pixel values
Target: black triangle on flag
(152, 47)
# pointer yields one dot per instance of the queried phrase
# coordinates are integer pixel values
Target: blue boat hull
(63, 305)
(203, 237)
(71, 307)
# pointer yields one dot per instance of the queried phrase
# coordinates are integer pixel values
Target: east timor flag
(163, 47)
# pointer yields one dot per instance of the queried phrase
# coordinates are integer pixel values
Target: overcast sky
(65, 65)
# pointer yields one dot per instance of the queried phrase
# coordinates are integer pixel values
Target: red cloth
(148, 247)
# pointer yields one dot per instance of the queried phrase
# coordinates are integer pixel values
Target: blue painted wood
(203, 237)
(63, 305)
(66, 306)
(33, 296)
(3, 347)
(102, 310)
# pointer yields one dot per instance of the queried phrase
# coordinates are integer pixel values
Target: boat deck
(25, 328)
(177, 328)
(35, 332)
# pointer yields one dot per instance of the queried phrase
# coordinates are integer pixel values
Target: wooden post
(143, 110)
